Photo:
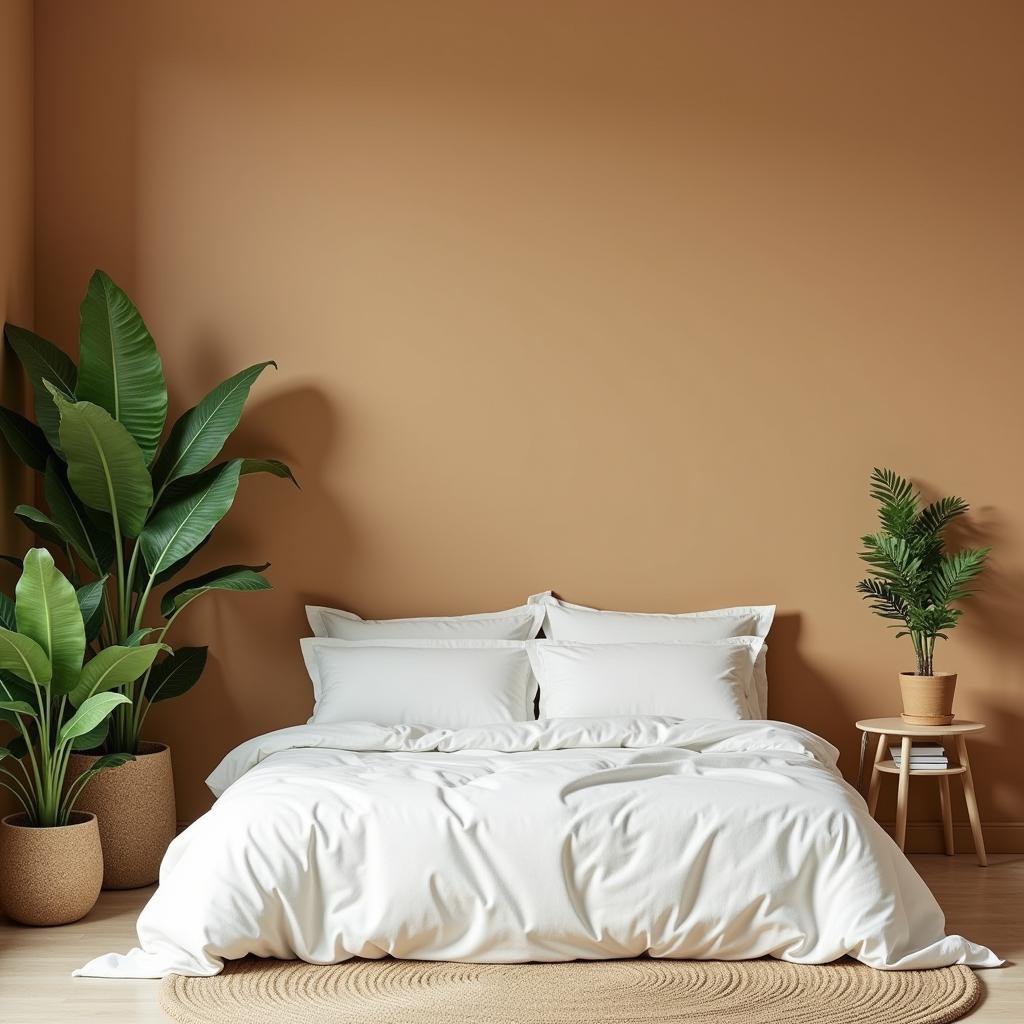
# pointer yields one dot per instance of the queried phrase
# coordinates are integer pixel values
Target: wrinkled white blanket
(550, 840)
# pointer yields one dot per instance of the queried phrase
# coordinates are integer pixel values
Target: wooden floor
(986, 904)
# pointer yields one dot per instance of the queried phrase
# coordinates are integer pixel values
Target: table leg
(902, 794)
(947, 815)
(876, 775)
(860, 763)
(972, 801)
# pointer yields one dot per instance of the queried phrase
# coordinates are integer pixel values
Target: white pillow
(521, 623)
(448, 684)
(681, 680)
(564, 621)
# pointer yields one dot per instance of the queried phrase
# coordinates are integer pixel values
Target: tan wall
(623, 299)
(15, 249)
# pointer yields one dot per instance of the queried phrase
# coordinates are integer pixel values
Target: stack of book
(923, 756)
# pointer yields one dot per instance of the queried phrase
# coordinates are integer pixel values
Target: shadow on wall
(15, 485)
(991, 614)
(992, 617)
(802, 694)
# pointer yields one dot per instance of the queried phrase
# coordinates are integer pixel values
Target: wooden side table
(896, 728)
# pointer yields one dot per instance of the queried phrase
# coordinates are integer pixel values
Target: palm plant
(54, 702)
(913, 580)
(128, 513)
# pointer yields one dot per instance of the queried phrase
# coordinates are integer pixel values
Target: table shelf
(891, 769)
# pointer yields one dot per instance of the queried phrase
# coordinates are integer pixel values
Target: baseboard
(926, 836)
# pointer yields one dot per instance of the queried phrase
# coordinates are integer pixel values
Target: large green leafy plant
(128, 512)
(913, 579)
(55, 702)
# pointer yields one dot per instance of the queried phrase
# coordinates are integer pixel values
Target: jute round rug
(255, 991)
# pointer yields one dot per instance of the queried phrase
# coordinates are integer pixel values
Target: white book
(919, 753)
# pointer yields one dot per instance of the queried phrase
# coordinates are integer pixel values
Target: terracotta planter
(134, 805)
(927, 700)
(49, 875)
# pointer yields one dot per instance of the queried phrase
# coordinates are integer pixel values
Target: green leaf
(176, 674)
(889, 487)
(24, 657)
(273, 466)
(18, 707)
(120, 366)
(136, 638)
(200, 433)
(90, 603)
(898, 504)
(94, 738)
(40, 524)
(13, 688)
(25, 439)
(952, 576)
(106, 467)
(48, 613)
(44, 363)
(16, 691)
(175, 567)
(189, 510)
(110, 761)
(939, 514)
(94, 543)
(884, 601)
(89, 715)
(112, 667)
(228, 577)
(7, 614)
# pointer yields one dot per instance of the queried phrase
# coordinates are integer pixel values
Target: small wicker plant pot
(927, 700)
(49, 876)
(134, 805)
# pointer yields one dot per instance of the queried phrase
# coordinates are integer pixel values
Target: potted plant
(51, 864)
(915, 581)
(128, 508)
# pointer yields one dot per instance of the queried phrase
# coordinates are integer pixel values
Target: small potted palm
(128, 504)
(916, 582)
(51, 862)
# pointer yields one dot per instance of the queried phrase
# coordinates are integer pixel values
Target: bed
(559, 839)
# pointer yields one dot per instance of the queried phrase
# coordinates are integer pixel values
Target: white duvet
(549, 840)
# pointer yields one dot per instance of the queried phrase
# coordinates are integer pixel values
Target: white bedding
(549, 840)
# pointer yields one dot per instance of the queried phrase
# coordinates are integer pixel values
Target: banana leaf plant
(126, 506)
(54, 700)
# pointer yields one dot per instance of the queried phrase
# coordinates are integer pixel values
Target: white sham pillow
(449, 684)
(681, 680)
(521, 623)
(565, 621)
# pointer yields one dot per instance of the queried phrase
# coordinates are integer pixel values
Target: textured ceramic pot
(134, 805)
(49, 876)
(927, 700)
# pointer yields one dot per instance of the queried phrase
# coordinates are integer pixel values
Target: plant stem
(918, 651)
(138, 711)
(119, 549)
(141, 608)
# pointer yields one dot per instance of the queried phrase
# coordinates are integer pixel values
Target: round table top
(897, 727)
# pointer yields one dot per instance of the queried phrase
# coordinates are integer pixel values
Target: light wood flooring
(986, 904)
